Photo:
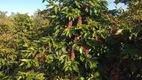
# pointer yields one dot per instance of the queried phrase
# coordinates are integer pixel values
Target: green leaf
(82, 58)
(64, 50)
(43, 1)
(119, 31)
(81, 50)
(56, 10)
(77, 3)
(82, 78)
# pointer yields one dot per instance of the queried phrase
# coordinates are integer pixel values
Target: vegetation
(73, 40)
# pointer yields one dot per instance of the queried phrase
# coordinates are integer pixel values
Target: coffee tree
(87, 41)
(18, 46)
(78, 39)
(73, 40)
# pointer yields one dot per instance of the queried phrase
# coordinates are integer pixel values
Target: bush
(83, 40)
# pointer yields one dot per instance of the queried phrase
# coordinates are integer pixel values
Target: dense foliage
(73, 40)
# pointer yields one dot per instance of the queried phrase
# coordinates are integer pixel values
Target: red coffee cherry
(85, 5)
(69, 24)
(97, 38)
(76, 38)
(79, 20)
(86, 50)
(69, 50)
(72, 55)
(39, 55)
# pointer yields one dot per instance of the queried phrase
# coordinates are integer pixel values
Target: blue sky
(22, 6)
(30, 6)
(113, 5)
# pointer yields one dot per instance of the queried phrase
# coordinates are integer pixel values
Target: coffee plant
(73, 40)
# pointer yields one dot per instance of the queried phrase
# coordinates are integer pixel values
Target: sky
(21, 6)
(112, 5)
(30, 6)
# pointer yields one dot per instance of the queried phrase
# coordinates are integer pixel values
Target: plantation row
(73, 40)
